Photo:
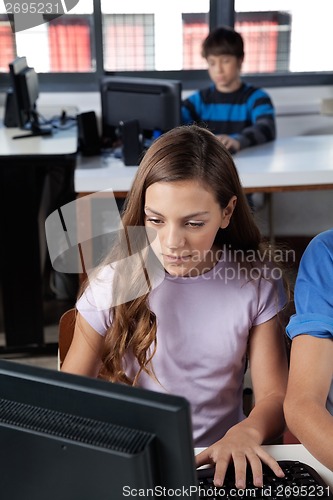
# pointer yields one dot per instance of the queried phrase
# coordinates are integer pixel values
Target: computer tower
(88, 135)
(131, 142)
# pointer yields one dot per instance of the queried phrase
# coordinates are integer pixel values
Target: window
(62, 44)
(150, 35)
(7, 52)
(266, 38)
(128, 41)
(285, 36)
(195, 30)
(286, 41)
(69, 41)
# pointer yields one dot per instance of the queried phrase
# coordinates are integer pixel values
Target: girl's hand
(239, 446)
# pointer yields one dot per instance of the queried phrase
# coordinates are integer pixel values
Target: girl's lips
(176, 258)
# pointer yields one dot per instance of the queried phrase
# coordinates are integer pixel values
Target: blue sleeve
(314, 290)
(263, 127)
(260, 105)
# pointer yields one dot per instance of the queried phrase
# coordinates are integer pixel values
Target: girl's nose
(174, 238)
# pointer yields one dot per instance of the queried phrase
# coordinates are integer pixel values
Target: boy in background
(239, 114)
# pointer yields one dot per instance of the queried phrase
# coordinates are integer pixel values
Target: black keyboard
(300, 481)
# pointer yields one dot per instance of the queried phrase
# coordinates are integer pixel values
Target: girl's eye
(195, 224)
(154, 221)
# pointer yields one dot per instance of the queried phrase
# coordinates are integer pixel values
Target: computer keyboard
(300, 481)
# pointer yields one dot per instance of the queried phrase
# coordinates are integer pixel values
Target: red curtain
(7, 52)
(70, 46)
(193, 36)
(260, 45)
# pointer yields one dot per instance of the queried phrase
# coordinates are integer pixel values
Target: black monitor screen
(30, 88)
(155, 104)
(25, 87)
(75, 438)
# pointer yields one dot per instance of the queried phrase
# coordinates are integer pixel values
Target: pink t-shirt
(203, 326)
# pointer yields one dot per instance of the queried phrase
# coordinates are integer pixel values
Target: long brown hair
(184, 153)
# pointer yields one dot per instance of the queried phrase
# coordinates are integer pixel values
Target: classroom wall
(298, 113)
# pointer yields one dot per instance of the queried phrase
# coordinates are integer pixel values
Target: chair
(66, 332)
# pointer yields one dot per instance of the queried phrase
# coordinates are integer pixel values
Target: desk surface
(61, 142)
(297, 452)
(302, 162)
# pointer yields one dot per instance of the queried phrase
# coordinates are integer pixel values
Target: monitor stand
(36, 129)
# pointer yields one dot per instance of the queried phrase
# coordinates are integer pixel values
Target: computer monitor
(139, 106)
(24, 81)
(68, 437)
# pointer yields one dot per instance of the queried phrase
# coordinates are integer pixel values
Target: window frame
(221, 12)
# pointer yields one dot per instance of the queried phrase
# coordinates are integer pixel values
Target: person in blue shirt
(240, 114)
(309, 401)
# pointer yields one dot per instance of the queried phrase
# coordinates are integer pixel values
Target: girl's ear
(228, 211)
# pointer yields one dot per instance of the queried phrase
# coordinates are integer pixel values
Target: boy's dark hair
(223, 41)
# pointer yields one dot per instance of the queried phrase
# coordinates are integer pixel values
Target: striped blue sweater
(247, 114)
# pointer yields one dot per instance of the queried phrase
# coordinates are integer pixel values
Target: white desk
(96, 173)
(302, 163)
(297, 452)
(61, 142)
(288, 164)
